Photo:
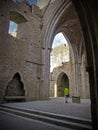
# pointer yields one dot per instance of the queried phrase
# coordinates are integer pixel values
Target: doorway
(61, 83)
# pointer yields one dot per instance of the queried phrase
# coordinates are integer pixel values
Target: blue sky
(58, 40)
(30, 1)
(33, 1)
(12, 26)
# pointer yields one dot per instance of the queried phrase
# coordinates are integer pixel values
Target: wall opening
(60, 51)
(15, 20)
(59, 57)
(62, 82)
(13, 29)
(15, 87)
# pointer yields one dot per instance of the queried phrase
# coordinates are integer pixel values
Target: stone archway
(62, 81)
(15, 87)
(86, 33)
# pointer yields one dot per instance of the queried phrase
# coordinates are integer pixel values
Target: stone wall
(60, 65)
(59, 68)
(65, 69)
(23, 53)
(59, 55)
(29, 52)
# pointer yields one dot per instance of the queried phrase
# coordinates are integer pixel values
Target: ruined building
(62, 74)
(26, 58)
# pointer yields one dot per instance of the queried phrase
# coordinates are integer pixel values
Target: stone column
(77, 82)
(44, 91)
(76, 78)
(55, 90)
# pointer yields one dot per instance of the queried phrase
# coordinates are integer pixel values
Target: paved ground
(12, 122)
(54, 105)
(57, 105)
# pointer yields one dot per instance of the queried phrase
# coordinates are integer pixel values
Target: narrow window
(13, 28)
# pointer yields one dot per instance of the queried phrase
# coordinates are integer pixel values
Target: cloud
(58, 40)
(12, 26)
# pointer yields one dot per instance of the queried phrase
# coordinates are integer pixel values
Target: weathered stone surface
(29, 52)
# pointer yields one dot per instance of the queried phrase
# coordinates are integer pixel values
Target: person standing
(66, 94)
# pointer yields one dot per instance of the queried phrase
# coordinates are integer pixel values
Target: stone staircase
(56, 119)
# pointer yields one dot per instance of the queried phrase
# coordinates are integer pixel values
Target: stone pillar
(93, 76)
(84, 87)
(44, 90)
(77, 82)
(55, 90)
(77, 78)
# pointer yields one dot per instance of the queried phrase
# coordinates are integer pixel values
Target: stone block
(76, 99)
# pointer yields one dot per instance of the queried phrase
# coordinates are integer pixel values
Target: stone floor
(58, 106)
(54, 105)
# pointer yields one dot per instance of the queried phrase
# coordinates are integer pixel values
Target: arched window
(59, 39)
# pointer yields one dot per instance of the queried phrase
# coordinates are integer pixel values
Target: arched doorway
(61, 83)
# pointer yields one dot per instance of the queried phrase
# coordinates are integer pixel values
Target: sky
(58, 40)
(33, 1)
(12, 26)
(30, 1)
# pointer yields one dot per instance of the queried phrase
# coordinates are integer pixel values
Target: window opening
(60, 51)
(13, 28)
(15, 20)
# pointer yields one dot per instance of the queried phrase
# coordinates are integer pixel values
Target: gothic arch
(62, 81)
(15, 87)
(66, 21)
(85, 12)
(54, 25)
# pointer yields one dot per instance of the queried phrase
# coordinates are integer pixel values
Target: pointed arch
(62, 82)
(15, 87)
